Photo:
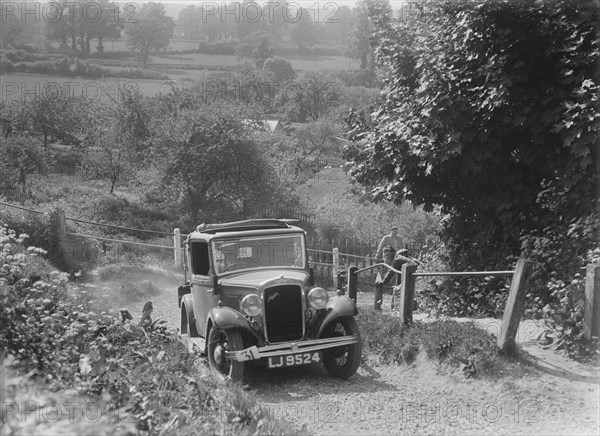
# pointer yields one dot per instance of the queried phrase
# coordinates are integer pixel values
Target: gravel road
(552, 396)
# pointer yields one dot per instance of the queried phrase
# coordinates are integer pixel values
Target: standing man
(392, 240)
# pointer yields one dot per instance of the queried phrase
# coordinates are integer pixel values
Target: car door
(201, 284)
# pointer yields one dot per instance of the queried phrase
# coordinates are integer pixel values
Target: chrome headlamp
(318, 298)
(251, 305)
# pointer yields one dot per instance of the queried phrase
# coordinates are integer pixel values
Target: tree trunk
(100, 46)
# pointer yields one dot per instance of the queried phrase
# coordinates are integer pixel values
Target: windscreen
(259, 252)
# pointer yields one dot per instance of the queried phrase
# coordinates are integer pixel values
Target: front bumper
(285, 349)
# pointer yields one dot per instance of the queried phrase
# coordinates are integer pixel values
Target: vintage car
(251, 297)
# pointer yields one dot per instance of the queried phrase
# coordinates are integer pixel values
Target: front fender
(225, 318)
(338, 307)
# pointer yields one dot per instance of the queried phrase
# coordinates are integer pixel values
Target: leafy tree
(107, 25)
(318, 139)
(257, 47)
(12, 27)
(311, 96)
(151, 32)
(281, 68)
(116, 137)
(362, 30)
(249, 21)
(340, 30)
(52, 113)
(108, 156)
(189, 22)
(212, 166)
(296, 157)
(303, 31)
(354, 218)
(83, 22)
(61, 27)
(211, 25)
(490, 111)
(20, 156)
(15, 118)
(108, 149)
(275, 21)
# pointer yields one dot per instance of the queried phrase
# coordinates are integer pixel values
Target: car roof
(252, 226)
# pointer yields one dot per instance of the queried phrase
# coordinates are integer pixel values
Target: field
(179, 67)
(299, 63)
(176, 44)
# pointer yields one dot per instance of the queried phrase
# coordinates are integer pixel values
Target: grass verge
(453, 346)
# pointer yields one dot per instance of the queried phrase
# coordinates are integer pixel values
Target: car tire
(220, 341)
(190, 324)
(342, 362)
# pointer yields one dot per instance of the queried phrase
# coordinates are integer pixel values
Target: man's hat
(403, 251)
(395, 228)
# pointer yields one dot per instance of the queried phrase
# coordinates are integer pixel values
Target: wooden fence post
(378, 295)
(591, 315)
(515, 305)
(177, 247)
(336, 266)
(352, 282)
(407, 292)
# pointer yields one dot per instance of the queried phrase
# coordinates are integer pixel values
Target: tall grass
(453, 346)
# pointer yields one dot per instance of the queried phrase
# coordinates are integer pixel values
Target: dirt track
(552, 395)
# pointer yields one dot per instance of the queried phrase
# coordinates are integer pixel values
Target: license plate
(294, 359)
(249, 354)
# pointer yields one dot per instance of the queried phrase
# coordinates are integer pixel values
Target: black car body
(251, 297)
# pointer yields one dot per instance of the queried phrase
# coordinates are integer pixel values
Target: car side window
(199, 258)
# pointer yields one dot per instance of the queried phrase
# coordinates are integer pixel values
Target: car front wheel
(219, 342)
(342, 362)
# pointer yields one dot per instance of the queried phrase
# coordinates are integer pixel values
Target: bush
(41, 231)
(465, 297)
(347, 217)
(280, 68)
(118, 211)
(460, 296)
(564, 317)
(450, 344)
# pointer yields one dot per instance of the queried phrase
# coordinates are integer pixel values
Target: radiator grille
(283, 313)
